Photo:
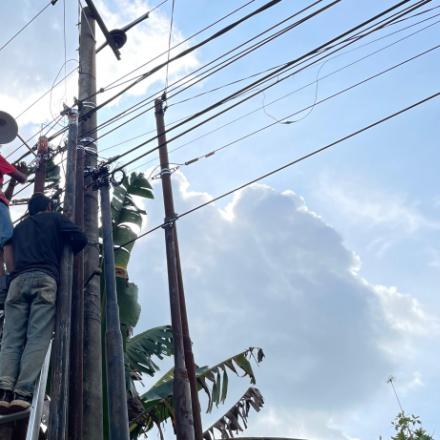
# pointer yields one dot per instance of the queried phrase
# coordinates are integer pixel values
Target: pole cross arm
(111, 40)
(119, 35)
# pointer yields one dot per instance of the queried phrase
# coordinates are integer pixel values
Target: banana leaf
(158, 402)
(236, 418)
(127, 216)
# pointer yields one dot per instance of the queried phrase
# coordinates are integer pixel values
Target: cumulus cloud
(267, 271)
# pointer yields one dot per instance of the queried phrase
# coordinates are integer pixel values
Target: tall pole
(59, 404)
(189, 356)
(181, 386)
(116, 391)
(92, 392)
(77, 337)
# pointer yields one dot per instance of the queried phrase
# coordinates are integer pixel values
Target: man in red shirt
(6, 228)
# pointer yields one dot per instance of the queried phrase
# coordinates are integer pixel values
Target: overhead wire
(418, 4)
(316, 52)
(194, 79)
(27, 24)
(289, 164)
(189, 50)
(318, 79)
(192, 36)
(117, 83)
(345, 38)
(211, 153)
(173, 3)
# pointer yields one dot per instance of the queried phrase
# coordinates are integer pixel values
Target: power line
(319, 79)
(291, 163)
(173, 4)
(193, 80)
(185, 52)
(293, 63)
(312, 106)
(27, 24)
(289, 65)
(116, 83)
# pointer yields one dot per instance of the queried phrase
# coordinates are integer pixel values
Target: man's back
(38, 242)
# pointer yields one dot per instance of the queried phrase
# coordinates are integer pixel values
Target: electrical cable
(191, 49)
(289, 164)
(348, 41)
(259, 108)
(385, 22)
(193, 79)
(309, 107)
(115, 82)
(51, 3)
(173, 4)
(312, 106)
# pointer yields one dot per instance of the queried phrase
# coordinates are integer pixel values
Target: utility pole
(59, 404)
(77, 338)
(92, 366)
(115, 369)
(184, 399)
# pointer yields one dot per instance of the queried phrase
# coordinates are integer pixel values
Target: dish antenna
(8, 128)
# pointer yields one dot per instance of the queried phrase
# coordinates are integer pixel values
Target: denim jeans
(29, 323)
(6, 228)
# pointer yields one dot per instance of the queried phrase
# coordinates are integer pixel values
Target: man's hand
(23, 168)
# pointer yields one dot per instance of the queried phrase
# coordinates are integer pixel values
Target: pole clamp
(170, 222)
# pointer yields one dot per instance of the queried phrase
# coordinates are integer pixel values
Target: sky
(332, 265)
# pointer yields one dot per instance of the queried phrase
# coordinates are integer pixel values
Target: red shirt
(5, 168)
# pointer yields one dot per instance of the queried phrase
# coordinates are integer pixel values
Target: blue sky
(333, 265)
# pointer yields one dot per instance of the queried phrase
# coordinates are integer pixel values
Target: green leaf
(142, 348)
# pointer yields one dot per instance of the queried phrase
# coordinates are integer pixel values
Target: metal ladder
(35, 412)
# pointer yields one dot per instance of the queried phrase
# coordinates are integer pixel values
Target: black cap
(38, 203)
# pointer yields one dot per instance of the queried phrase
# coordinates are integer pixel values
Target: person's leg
(14, 333)
(39, 332)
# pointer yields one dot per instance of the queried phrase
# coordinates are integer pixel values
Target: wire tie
(170, 222)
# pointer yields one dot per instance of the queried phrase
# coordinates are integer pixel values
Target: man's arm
(19, 174)
(72, 234)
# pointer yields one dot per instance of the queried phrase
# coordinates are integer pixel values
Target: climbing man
(37, 243)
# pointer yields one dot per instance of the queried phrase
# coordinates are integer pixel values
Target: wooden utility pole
(77, 338)
(115, 369)
(92, 366)
(59, 404)
(187, 408)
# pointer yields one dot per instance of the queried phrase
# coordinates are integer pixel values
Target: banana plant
(213, 381)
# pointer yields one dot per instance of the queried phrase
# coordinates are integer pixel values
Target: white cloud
(271, 273)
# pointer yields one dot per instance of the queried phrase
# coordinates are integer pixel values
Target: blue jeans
(6, 228)
(29, 322)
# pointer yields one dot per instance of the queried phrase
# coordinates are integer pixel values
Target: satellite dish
(8, 128)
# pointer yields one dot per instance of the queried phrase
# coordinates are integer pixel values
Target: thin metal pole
(187, 347)
(181, 386)
(116, 391)
(92, 392)
(58, 420)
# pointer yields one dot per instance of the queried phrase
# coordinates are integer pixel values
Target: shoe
(20, 402)
(5, 400)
